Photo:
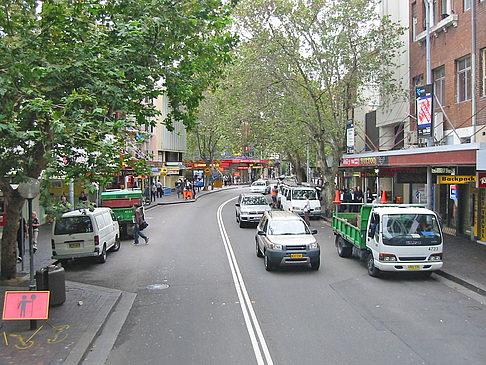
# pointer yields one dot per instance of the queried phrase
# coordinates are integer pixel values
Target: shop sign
(242, 167)
(482, 180)
(365, 161)
(449, 179)
(442, 170)
(350, 161)
(453, 192)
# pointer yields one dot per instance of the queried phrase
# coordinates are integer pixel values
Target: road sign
(26, 305)
(207, 171)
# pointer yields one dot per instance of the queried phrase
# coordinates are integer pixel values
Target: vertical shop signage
(350, 136)
(453, 192)
(424, 100)
(482, 180)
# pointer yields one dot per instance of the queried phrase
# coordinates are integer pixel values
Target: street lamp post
(29, 190)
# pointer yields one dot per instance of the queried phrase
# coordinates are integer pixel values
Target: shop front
(402, 175)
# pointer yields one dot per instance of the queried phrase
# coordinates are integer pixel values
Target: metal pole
(429, 80)
(308, 167)
(71, 192)
(33, 322)
(473, 69)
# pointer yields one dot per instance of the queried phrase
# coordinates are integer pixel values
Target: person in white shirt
(306, 210)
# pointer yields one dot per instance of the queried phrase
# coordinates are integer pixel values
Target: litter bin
(52, 278)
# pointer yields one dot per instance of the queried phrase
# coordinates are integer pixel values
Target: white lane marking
(244, 299)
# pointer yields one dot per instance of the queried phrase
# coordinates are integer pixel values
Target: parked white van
(85, 233)
(293, 200)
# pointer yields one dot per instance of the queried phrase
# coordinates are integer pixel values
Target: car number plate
(413, 267)
(74, 245)
(296, 255)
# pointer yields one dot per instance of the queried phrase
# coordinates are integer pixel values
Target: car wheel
(315, 265)
(372, 270)
(102, 257)
(237, 218)
(268, 265)
(343, 249)
(117, 244)
(242, 224)
(258, 252)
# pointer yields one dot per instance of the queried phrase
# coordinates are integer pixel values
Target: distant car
(284, 239)
(260, 186)
(250, 208)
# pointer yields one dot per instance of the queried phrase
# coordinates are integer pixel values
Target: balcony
(442, 26)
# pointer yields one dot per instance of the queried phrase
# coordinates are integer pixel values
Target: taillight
(387, 257)
(97, 240)
(53, 244)
(436, 257)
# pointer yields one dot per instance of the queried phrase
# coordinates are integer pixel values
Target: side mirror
(118, 218)
(237, 204)
(313, 231)
(261, 233)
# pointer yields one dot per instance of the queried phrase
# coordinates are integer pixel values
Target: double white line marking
(251, 321)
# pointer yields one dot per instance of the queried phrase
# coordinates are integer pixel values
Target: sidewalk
(69, 336)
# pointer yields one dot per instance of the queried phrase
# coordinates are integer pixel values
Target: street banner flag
(425, 98)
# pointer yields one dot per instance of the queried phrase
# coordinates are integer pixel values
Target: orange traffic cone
(383, 198)
(337, 199)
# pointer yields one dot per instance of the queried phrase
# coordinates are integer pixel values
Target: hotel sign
(456, 179)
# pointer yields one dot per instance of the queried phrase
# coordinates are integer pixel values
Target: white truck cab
(401, 238)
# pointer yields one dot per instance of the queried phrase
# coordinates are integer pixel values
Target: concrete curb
(82, 346)
(189, 201)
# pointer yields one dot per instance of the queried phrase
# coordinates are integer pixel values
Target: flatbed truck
(391, 237)
(121, 202)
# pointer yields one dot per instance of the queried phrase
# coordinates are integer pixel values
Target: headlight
(314, 245)
(436, 257)
(387, 257)
(275, 246)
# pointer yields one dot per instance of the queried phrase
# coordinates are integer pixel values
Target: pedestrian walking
(306, 210)
(274, 196)
(138, 219)
(159, 189)
(178, 187)
(35, 230)
(153, 195)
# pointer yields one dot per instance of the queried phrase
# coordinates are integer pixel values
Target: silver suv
(284, 239)
(250, 208)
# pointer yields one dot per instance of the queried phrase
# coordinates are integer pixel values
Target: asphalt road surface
(203, 297)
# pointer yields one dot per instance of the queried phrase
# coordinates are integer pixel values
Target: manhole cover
(157, 286)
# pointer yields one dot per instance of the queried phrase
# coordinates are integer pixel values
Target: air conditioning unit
(411, 140)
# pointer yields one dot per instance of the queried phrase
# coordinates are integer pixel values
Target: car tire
(102, 257)
(242, 224)
(372, 269)
(266, 261)
(117, 245)
(258, 251)
(315, 265)
(237, 218)
(343, 249)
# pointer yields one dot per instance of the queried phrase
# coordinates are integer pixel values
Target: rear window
(300, 194)
(70, 225)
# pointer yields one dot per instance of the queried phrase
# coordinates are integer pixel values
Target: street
(203, 297)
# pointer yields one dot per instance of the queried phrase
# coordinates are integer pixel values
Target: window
(463, 67)
(467, 5)
(483, 71)
(439, 84)
(414, 21)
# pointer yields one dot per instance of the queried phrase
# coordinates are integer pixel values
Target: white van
(293, 200)
(85, 233)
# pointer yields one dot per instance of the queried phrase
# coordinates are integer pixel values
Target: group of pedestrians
(185, 188)
(353, 195)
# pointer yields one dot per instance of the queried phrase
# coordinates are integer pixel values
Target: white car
(250, 208)
(260, 186)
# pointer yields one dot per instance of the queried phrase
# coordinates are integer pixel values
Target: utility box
(52, 278)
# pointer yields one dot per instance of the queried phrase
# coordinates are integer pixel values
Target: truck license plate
(74, 245)
(296, 255)
(414, 267)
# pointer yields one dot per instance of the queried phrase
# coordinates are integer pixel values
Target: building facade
(452, 159)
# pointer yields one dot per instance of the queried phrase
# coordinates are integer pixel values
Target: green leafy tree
(322, 56)
(74, 75)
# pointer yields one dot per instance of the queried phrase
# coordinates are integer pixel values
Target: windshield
(410, 230)
(300, 194)
(287, 227)
(72, 225)
(254, 200)
(258, 183)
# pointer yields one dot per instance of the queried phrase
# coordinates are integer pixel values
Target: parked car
(284, 239)
(260, 186)
(85, 233)
(250, 208)
(293, 200)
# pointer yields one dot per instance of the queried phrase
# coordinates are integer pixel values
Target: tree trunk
(9, 237)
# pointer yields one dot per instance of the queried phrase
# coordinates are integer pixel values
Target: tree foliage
(74, 75)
